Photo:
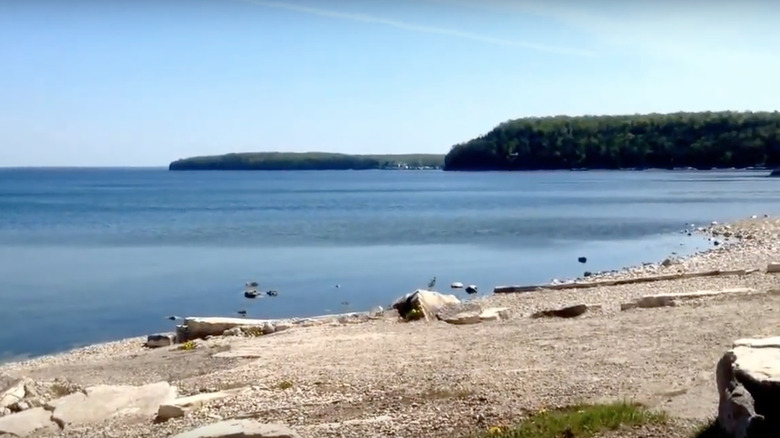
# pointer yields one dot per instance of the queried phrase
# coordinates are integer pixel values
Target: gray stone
(565, 312)
(159, 340)
(748, 380)
(23, 424)
(101, 402)
(240, 428)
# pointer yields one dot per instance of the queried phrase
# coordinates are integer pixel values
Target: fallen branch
(601, 283)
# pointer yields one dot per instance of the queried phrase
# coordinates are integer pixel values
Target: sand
(390, 378)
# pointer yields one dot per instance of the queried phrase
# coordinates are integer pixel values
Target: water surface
(89, 255)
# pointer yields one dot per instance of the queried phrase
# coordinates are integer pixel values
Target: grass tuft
(583, 421)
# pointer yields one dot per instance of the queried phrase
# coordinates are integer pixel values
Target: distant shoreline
(309, 161)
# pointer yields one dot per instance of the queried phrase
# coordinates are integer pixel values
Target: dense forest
(699, 140)
(307, 161)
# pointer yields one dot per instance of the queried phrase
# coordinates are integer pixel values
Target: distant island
(703, 140)
(308, 161)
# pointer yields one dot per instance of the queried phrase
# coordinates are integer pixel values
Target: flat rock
(182, 406)
(101, 402)
(240, 428)
(24, 423)
(494, 314)
(670, 299)
(565, 312)
(11, 391)
(194, 328)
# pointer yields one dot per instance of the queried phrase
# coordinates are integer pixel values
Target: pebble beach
(385, 377)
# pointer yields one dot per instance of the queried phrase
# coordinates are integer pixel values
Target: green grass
(583, 421)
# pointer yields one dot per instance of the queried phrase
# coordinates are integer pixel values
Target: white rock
(428, 301)
(457, 285)
(463, 318)
(242, 428)
(495, 314)
(11, 391)
(182, 406)
(101, 402)
(24, 423)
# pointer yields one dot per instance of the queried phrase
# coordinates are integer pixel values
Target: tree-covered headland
(702, 140)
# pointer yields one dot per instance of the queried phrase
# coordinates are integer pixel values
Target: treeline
(700, 140)
(306, 161)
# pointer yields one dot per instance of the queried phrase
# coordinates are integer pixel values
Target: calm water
(96, 255)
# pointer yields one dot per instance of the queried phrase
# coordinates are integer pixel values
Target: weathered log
(602, 283)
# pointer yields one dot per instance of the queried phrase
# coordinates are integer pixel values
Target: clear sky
(144, 82)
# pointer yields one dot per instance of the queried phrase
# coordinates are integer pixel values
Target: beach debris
(747, 377)
(159, 340)
(422, 304)
(183, 406)
(272, 293)
(456, 285)
(240, 427)
(432, 283)
(583, 260)
(565, 312)
(471, 289)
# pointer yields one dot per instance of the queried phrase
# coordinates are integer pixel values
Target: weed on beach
(582, 421)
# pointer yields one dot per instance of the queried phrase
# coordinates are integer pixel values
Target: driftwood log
(600, 283)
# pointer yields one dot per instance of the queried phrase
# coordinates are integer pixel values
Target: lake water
(90, 255)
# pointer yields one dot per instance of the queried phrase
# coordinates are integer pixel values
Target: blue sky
(141, 83)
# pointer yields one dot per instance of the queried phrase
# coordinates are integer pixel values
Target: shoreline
(697, 258)
(384, 377)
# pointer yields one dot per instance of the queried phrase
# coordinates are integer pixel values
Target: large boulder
(240, 428)
(748, 379)
(102, 402)
(427, 303)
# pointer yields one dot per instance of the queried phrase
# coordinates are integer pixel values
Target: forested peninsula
(702, 140)
(308, 161)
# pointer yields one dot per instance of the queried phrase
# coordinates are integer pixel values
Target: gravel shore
(390, 378)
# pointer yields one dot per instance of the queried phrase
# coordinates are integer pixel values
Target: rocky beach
(452, 373)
